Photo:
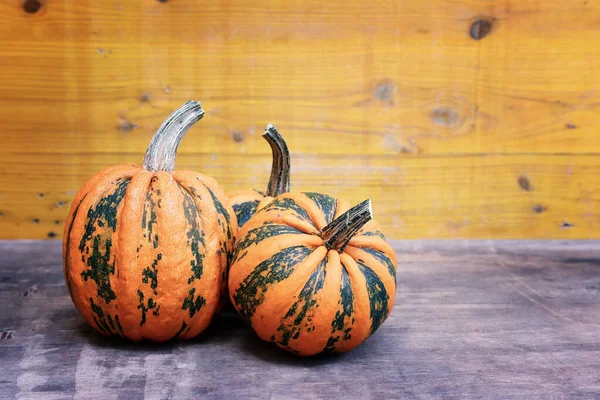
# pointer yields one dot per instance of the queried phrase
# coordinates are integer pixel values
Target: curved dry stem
(162, 150)
(339, 232)
(280, 171)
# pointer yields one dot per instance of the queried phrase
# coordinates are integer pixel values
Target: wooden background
(458, 118)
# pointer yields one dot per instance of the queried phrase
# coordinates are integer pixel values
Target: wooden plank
(430, 124)
(411, 78)
(472, 319)
(503, 196)
(393, 85)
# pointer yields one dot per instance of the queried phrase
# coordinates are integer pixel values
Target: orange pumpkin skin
(247, 202)
(146, 252)
(296, 292)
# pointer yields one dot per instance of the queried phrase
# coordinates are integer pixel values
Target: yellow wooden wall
(458, 118)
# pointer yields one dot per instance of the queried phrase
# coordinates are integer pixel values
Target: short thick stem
(339, 232)
(162, 150)
(280, 171)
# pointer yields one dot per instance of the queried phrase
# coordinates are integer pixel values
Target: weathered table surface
(473, 319)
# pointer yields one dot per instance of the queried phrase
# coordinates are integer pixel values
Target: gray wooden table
(473, 319)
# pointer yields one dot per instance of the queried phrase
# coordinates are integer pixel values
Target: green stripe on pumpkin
(193, 303)
(220, 209)
(374, 233)
(378, 296)
(151, 305)
(277, 268)
(382, 258)
(288, 205)
(180, 331)
(98, 325)
(257, 235)
(150, 274)
(326, 203)
(225, 225)
(98, 311)
(340, 328)
(110, 322)
(195, 236)
(101, 224)
(244, 211)
(105, 321)
(299, 316)
(149, 214)
(119, 325)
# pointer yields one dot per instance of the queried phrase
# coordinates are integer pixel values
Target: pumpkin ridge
(257, 235)
(382, 258)
(195, 235)
(251, 292)
(378, 296)
(97, 241)
(80, 197)
(75, 260)
(68, 247)
(149, 206)
(218, 205)
(134, 252)
(103, 214)
(211, 217)
(326, 203)
(150, 273)
(281, 218)
(288, 204)
(180, 331)
(290, 325)
(338, 323)
(225, 226)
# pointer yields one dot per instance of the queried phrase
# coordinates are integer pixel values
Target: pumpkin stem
(280, 171)
(162, 150)
(339, 232)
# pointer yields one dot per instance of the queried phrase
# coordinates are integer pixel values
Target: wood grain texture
(473, 319)
(399, 101)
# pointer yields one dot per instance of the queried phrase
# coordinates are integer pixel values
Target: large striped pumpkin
(311, 275)
(146, 248)
(247, 201)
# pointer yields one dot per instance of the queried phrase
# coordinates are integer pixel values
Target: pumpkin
(247, 201)
(146, 248)
(312, 275)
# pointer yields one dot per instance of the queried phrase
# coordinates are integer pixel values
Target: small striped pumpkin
(146, 249)
(312, 275)
(247, 201)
